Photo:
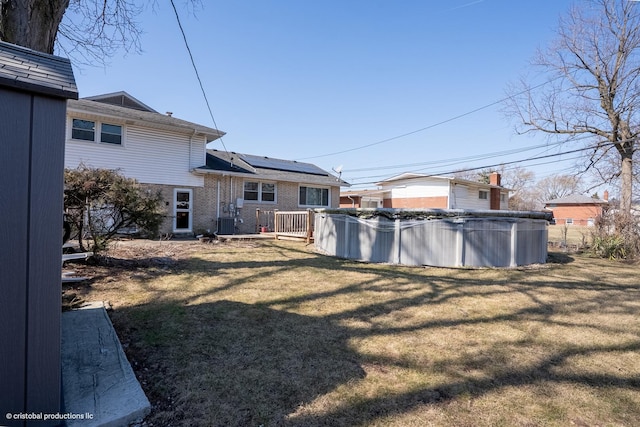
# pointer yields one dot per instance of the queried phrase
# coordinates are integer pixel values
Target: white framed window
(569, 221)
(182, 210)
(314, 196)
(483, 194)
(263, 192)
(89, 130)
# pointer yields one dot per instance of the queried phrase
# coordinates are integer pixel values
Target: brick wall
(205, 204)
(580, 214)
(203, 207)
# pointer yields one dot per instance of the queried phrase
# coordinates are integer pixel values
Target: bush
(616, 237)
(99, 203)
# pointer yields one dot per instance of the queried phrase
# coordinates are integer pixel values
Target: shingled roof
(261, 167)
(26, 69)
(97, 105)
(576, 199)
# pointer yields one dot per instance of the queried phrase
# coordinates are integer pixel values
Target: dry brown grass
(270, 333)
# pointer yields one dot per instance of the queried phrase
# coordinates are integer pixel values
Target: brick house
(420, 191)
(577, 209)
(249, 188)
(199, 187)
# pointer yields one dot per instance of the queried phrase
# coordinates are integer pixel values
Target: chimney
(494, 179)
(605, 195)
(494, 193)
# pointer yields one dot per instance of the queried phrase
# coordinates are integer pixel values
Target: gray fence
(442, 238)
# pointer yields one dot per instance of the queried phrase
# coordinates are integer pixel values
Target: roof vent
(169, 113)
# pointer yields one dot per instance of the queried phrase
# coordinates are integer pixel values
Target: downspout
(353, 202)
(191, 147)
(218, 204)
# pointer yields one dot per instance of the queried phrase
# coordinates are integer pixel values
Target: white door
(182, 211)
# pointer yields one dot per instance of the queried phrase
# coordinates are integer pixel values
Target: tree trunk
(626, 186)
(31, 23)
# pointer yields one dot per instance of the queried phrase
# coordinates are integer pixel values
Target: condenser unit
(226, 225)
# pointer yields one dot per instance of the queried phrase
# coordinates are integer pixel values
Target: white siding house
(410, 190)
(116, 131)
(201, 189)
(418, 191)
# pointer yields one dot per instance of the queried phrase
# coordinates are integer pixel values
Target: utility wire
(496, 164)
(458, 159)
(193, 63)
(459, 116)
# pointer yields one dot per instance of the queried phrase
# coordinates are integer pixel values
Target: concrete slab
(98, 384)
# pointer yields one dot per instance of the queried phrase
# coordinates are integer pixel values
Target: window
(569, 221)
(251, 190)
(503, 198)
(483, 194)
(313, 196)
(111, 134)
(85, 130)
(268, 192)
(259, 191)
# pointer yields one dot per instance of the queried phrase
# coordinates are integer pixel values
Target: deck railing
(297, 224)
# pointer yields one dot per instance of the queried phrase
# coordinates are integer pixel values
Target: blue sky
(326, 81)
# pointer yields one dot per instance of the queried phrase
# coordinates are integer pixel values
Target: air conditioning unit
(226, 225)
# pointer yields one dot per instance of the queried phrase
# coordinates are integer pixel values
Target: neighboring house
(250, 188)
(419, 191)
(577, 209)
(361, 199)
(117, 131)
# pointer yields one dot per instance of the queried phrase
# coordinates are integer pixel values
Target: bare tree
(518, 180)
(594, 85)
(88, 31)
(557, 187)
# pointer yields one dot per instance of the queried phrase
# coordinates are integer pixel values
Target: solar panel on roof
(283, 165)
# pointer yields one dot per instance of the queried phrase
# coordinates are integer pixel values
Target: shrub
(100, 203)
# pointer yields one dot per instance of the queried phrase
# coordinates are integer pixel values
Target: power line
(458, 159)
(497, 164)
(459, 116)
(193, 63)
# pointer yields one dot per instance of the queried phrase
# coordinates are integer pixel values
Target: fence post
(309, 225)
(398, 240)
(514, 244)
(460, 244)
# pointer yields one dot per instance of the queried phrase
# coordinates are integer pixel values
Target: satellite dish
(338, 170)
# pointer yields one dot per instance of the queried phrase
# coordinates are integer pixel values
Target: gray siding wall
(31, 172)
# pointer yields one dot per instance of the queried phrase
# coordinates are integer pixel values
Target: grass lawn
(271, 333)
(576, 235)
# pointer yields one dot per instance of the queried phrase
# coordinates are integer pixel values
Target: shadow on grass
(559, 258)
(228, 363)
(253, 365)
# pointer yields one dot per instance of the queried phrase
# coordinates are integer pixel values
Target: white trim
(177, 210)
(260, 182)
(97, 131)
